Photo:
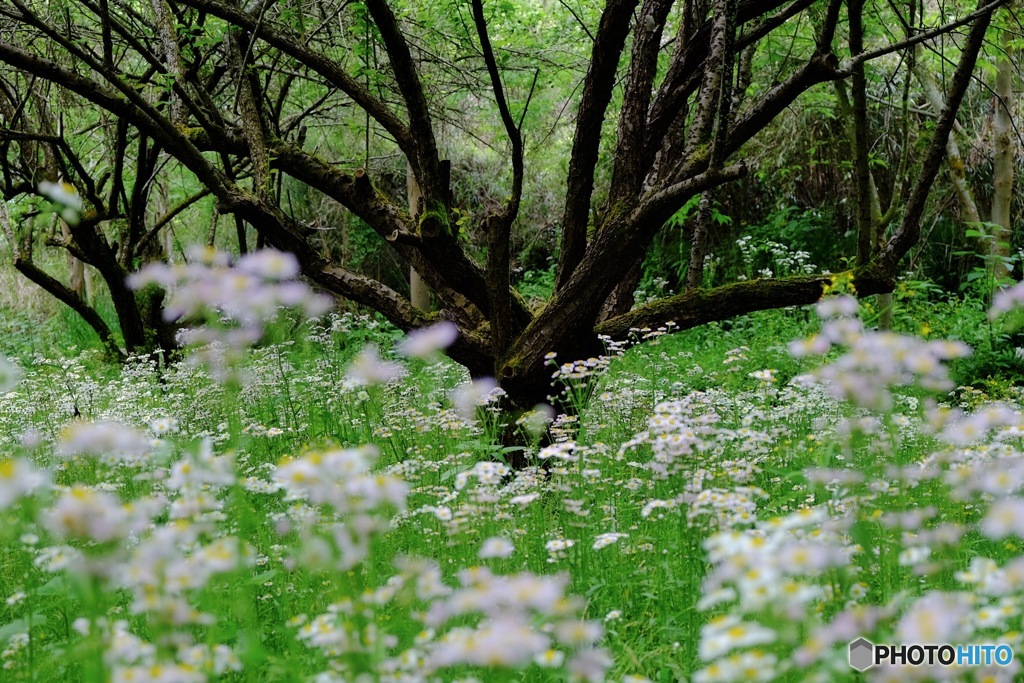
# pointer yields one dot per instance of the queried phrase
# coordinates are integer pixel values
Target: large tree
(225, 89)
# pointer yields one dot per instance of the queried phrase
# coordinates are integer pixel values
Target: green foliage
(996, 261)
(790, 241)
(812, 231)
(537, 286)
(24, 335)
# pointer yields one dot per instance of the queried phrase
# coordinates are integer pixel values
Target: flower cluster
(346, 514)
(246, 293)
(508, 609)
(874, 361)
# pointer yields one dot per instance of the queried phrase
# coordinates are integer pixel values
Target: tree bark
(1004, 153)
(76, 268)
(419, 294)
(860, 142)
(954, 160)
(698, 244)
(597, 93)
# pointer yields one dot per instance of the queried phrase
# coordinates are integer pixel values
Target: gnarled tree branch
(597, 93)
(498, 227)
(702, 306)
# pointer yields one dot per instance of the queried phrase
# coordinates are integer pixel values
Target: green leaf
(453, 472)
(264, 577)
(20, 626)
(58, 585)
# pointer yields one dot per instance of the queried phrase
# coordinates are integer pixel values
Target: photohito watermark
(864, 654)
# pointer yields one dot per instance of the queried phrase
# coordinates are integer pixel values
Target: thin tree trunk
(698, 245)
(21, 253)
(954, 160)
(76, 268)
(419, 295)
(90, 287)
(869, 204)
(1003, 153)
(211, 238)
(167, 30)
(859, 140)
(621, 299)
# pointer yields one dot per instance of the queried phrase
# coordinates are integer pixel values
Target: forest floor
(737, 502)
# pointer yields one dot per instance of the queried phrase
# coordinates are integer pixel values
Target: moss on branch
(702, 306)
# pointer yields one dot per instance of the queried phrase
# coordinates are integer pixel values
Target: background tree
(985, 205)
(119, 223)
(230, 93)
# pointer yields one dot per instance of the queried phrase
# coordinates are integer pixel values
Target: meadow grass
(725, 506)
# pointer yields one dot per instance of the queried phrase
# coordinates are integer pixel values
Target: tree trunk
(1003, 153)
(954, 160)
(698, 245)
(21, 252)
(419, 294)
(76, 269)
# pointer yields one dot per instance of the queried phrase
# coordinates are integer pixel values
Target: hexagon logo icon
(862, 654)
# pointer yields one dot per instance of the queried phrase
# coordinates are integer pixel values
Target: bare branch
(249, 110)
(167, 218)
(167, 32)
(514, 135)
(88, 184)
(425, 161)
(628, 172)
(130, 105)
(683, 75)
(770, 23)
(661, 204)
(499, 227)
(23, 262)
(982, 11)
(319, 63)
(442, 261)
(579, 21)
(822, 67)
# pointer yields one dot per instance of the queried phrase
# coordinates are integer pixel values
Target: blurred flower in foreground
(536, 421)
(496, 546)
(229, 303)
(64, 198)
(369, 369)
(248, 294)
(1006, 300)
(427, 342)
(19, 478)
(109, 440)
(10, 375)
(875, 361)
(480, 392)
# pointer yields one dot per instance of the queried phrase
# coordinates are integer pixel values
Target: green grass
(745, 453)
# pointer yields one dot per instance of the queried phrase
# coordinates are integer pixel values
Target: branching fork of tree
(223, 109)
